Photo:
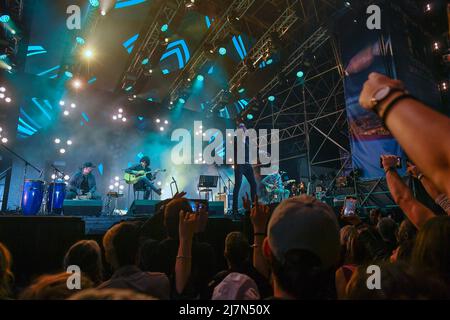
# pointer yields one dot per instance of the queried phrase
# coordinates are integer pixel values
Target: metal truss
(151, 41)
(219, 30)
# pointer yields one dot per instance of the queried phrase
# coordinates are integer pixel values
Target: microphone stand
(174, 182)
(25, 170)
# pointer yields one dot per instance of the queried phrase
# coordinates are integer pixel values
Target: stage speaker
(143, 207)
(216, 209)
(82, 208)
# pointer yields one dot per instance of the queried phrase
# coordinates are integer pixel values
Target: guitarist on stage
(144, 182)
(275, 188)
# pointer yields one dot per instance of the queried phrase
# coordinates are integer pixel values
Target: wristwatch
(381, 94)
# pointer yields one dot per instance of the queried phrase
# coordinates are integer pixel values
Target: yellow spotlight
(77, 84)
(88, 53)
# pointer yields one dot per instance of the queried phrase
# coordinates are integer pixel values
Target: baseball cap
(236, 286)
(304, 223)
(88, 165)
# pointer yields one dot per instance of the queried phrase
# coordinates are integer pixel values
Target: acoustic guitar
(133, 178)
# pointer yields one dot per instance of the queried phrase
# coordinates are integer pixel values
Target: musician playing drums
(83, 184)
(144, 181)
(274, 186)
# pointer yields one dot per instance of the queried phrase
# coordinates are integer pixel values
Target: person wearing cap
(300, 250)
(83, 183)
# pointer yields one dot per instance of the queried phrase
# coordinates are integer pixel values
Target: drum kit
(39, 196)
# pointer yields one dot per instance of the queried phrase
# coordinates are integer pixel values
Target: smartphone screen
(398, 164)
(349, 207)
(198, 203)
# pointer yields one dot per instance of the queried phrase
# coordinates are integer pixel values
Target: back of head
(6, 275)
(54, 287)
(303, 236)
(432, 246)
(397, 281)
(236, 286)
(237, 249)
(365, 246)
(387, 228)
(110, 294)
(148, 255)
(87, 255)
(406, 232)
(121, 243)
(172, 214)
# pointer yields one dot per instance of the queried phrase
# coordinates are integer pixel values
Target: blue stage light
(271, 98)
(222, 51)
(269, 61)
(165, 27)
(241, 90)
(94, 3)
(200, 77)
(145, 61)
(5, 18)
(182, 101)
(300, 74)
(80, 40)
(68, 74)
(250, 116)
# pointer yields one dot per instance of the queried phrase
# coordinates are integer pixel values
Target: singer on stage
(242, 169)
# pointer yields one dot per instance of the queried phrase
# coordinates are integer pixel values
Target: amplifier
(216, 208)
(82, 207)
(143, 207)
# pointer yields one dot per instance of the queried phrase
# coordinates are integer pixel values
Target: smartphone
(398, 165)
(198, 203)
(349, 206)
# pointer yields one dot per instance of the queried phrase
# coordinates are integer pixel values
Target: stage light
(9, 68)
(348, 4)
(271, 98)
(249, 116)
(222, 51)
(66, 177)
(88, 53)
(150, 71)
(2, 96)
(57, 140)
(73, 105)
(166, 40)
(7, 100)
(230, 160)
(124, 119)
(269, 62)
(182, 101)
(53, 176)
(300, 74)
(62, 150)
(189, 79)
(5, 18)
(76, 84)
(120, 110)
(4, 140)
(103, 13)
(62, 103)
(121, 187)
(166, 122)
(116, 184)
(114, 117)
(111, 187)
(428, 7)
(444, 86)
(94, 3)
(119, 116)
(159, 183)
(1, 129)
(161, 129)
(134, 96)
(2, 89)
(165, 27)
(69, 142)
(436, 46)
(158, 120)
(241, 90)
(66, 112)
(229, 134)
(200, 77)
(117, 178)
(171, 102)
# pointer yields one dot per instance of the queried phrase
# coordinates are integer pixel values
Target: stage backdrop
(392, 52)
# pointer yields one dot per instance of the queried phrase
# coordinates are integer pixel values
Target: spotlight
(73, 105)
(66, 177)
(53, 176)
(271, 98)
(116, 184)
(62, 103)
(444, 86)
(161, 129)
(114, 117)
(182, 101)
(159, 183)
(2, 96)
(300, 74)
(117, 178)
(428, 7)
(200, 77)
(166, 40)
(222, 51)
(121, 187)
(165, 27)
(103, 13)
(57, 140)
(124, 119)
(5, 18)
(2, 89)
(158, 120)
(4, 140)
(1, 129)
(66, 112)
(62, 150)
(249, 116)
(347, 4)
(166, 122)
(69, 142)
(436, 46)
(119, 116)
(7, 100)
(76, 84)
(111, 187)
(88, 53)
(120, 110)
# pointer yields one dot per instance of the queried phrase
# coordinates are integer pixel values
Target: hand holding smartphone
(350, 206)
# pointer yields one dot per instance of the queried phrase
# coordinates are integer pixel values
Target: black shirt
(84, 187)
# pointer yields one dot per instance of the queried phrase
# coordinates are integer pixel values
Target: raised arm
(422, 132)
(259, 216)
(416, 212)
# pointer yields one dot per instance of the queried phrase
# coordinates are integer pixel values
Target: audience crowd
(299, 249)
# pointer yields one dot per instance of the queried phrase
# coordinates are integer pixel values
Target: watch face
(382, 93)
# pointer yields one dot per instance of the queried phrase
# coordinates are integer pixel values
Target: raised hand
(259, 216)
(246, 202)
(187, 225)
